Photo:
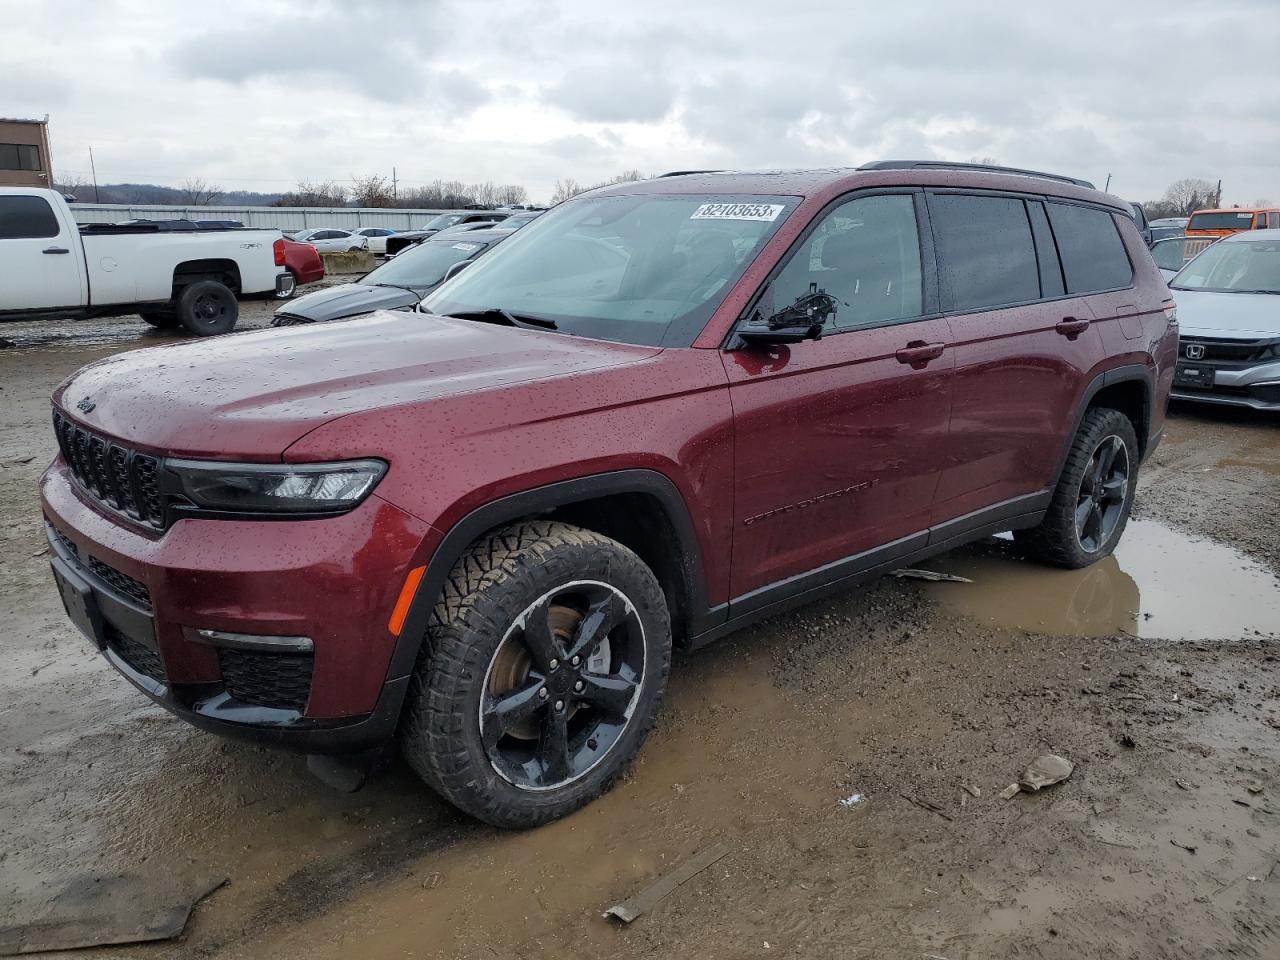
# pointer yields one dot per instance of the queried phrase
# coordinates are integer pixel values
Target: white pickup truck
(51, 267)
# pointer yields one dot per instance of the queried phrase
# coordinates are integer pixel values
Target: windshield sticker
(466, 247)
(767, 212)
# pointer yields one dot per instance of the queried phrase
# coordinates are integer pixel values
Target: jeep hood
(1204, 313)
(251, 395)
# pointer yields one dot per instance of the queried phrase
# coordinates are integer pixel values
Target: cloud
(539, 90)
(613, 91)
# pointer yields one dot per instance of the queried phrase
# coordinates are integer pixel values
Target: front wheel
(207, 307)
(545, 661)
(1091, 504)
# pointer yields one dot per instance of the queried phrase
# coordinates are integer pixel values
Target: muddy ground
(1155, 672)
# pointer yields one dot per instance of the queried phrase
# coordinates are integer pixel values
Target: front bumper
(1232, 372)
(140, 595)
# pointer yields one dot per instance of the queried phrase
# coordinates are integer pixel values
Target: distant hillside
(151, 193)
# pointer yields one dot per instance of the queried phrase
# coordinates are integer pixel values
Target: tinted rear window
(986, 255)
(1227, 220)
(1092, 253)
(24, 218)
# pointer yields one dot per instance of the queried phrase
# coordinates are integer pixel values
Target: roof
(1232, 210)
(22, 120)
(479, 236)
(1244, 236)
(832, 182)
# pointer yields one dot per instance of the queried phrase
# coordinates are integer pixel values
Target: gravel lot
(1154, 672)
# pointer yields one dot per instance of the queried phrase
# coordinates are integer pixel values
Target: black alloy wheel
(1104, 489)
(562, 685)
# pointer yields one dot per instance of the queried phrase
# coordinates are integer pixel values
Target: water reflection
(1161, 583)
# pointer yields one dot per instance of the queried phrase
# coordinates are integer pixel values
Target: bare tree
(1190, 194)
(372, 191)
(308, 194)
(75, 186)
(197, 192)
(566, 189)
(510, 194)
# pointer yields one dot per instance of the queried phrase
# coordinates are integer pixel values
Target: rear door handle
(1070, 327)
(56, 250)
(918, 353)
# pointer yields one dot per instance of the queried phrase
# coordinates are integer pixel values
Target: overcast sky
(258, 95)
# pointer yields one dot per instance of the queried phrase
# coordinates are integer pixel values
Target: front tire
(1091, 504)
(546, 659)
(207, 308)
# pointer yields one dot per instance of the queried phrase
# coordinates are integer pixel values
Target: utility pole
(94, 171)
(395, 193)
(1217, 198)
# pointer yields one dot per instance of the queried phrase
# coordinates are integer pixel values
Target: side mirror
(456, 268)
(803, 320)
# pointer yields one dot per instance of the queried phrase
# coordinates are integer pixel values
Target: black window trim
(1047, 198)
(928, 265)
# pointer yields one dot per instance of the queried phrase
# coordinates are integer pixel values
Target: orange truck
(1206, 226)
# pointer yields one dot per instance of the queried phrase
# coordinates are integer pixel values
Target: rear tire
(207, 308)
(1091, 504)
(161, 319)
(544, 663)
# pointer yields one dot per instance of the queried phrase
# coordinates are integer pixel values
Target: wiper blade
(500, 315)
(394, 286)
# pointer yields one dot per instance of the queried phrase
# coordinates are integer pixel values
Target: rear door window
(986, 252)
(1093, 255)
(27, 218)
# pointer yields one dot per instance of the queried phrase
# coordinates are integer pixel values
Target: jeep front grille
(114, 475)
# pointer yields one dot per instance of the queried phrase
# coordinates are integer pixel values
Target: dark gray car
(396, 285)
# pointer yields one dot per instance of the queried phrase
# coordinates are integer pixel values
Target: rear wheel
(545, 662)
(207, 307)
(1094, 496)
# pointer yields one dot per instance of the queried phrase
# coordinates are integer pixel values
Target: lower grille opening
(278, 680)
(137, 655)
(121, 582)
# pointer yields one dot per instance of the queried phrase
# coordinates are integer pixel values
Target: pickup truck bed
(50, 266)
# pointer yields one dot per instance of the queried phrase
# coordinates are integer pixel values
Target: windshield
(1168, 254)
(1225, 220)
(647, 269)
(442, 221)
(424, 265)
(1243, 267)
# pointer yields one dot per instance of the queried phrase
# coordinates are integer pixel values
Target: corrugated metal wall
(286, 218)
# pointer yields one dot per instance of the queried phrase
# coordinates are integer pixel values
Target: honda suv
(661, 411)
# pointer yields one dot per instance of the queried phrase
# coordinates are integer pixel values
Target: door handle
(1070, 327)
(918, 353)
(56, 250)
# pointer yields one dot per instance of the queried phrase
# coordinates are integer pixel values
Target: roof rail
(686, 173)
(990, 168)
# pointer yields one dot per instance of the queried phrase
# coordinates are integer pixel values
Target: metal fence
(286, 218)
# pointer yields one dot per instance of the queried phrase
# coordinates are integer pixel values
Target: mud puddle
(1160, 583)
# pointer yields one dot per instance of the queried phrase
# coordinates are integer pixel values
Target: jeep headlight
(274, 488)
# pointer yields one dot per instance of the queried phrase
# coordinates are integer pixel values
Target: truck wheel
(1091, 504)
(543, 667)
(163, 319)
(207, 307)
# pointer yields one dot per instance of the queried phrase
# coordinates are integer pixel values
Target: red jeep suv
(659, 412)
